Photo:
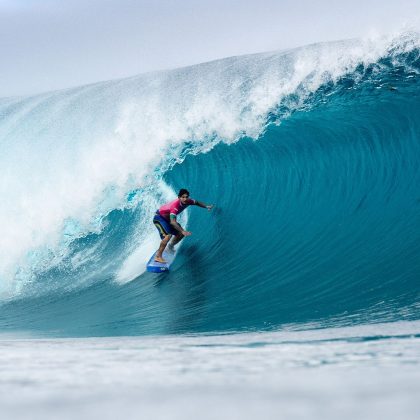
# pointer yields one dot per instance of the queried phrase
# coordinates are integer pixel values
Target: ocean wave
(319, 219)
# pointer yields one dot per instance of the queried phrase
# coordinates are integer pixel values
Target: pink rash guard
(174, 208)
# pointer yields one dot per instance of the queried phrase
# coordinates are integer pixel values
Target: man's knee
(166, 238)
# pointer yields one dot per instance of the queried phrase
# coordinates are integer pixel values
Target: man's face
(184, 198)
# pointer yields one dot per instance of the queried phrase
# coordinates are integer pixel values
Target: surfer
(167, 225)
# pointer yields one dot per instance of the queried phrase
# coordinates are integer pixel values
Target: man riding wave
(167, 225)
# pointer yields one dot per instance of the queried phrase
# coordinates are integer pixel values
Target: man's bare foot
(160, 260)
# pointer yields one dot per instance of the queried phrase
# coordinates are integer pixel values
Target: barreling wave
(317, 221)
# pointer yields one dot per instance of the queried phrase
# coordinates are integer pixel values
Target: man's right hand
(186, 233)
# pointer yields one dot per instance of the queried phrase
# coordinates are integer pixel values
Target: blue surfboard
(157, 267)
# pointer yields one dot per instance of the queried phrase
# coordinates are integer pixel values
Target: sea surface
(364, 372)
(297, 296)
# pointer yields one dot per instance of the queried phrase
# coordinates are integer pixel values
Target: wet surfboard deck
(157, 267)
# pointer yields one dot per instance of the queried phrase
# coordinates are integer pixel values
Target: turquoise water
(314, 175)
(300, 288)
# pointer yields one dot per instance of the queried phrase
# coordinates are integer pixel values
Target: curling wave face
(317, 221)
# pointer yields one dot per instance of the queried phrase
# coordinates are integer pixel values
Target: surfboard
(157, 267)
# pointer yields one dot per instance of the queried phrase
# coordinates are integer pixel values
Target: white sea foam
(68, 158)
(329, 374)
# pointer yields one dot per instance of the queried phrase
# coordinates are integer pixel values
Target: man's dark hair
(183, 191)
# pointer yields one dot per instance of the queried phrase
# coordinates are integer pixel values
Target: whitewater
(298, 294)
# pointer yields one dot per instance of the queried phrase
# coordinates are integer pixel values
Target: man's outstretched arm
(204, 205)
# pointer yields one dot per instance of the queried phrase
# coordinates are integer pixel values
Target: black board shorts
(163, 226)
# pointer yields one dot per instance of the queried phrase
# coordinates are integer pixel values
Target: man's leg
(162, 246)
(176, 239)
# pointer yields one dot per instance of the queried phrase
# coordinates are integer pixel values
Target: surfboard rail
(157, 267)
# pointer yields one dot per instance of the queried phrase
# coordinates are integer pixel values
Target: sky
(54, 44)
